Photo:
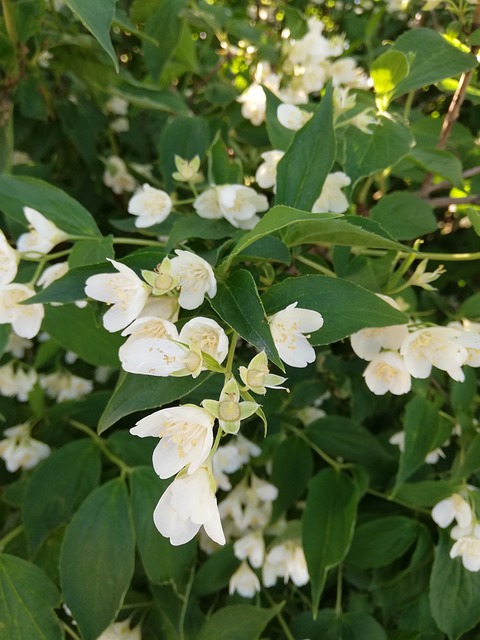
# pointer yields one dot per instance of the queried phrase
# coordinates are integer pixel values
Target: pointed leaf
(380, 541)
(97, 559)
(404, 215)
(237, 622)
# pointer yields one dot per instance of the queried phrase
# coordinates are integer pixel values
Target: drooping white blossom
(292, 117)
(432, 457)
(288, 327)
(160, 357)
(234, 202)
(188, 504)
(55, 272)
(286, 561)
(63, 386)
(25, 319)
(251, 547)
(121, 631)
(196, 279)
(150, 327)
(254, 104)
(244, 582)
(468, 549)
(43, 234)
(117, 105)
(117, 177)
(123, 290)
(150, 205)
(231, 457)
(8, 261)
(332, 199)
(266, 174)
(257, 377)
(162, 306)
(453, 508)
(208, 335)
(386, 372)
(17, 346)
(186, 438)
(15, 381)
(19, 450)
(120, 125)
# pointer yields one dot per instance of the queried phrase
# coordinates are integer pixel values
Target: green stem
(231, 353)
(391, 498)
(280, 618)
(329, 460)
(11, 535)
(362, 196)
(450, 257)
(138, 241)
(9, 22)
(124, 468)
(314, 265)
(338, 600)
(186, 596)
(70, 631)
(408, 105)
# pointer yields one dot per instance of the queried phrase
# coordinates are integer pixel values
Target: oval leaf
(238, 622)
(382, 540)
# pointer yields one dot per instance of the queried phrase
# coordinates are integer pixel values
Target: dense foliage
(239, 299)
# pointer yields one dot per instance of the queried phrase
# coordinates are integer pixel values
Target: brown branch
(446, 184)
(441, 203)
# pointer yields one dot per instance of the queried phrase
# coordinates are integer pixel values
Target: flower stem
(11, 535)
(338, 600)
(450, 257)
(231, 353)
(329, 460)
(316, 266)
(70, 631)
(280, 618)
(124, 468)
(138, 241)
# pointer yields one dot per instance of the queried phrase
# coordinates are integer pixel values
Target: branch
(441, 203)
(446, 184)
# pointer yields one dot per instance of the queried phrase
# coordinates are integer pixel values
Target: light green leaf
(345, 307)
(432, 59)
(366, 154)
(163, 563)
(87, 252)
(49, 502)
(454, 592)
(195, 227)
(470, 308)
(77, 330)
(53, 203)
(303, 169)
(404, 215)
(473, 214)
(439, 162)
(237, 302)
(328, 523)
(97, 559)
(380, 541)
(280, 137)
(97, 18)
(237, 622)
(148, 96)
(137, 393)
(27, 603)
(165, 21)
(388, 70)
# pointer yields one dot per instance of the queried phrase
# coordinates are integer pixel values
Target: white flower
(432, 457)
(151, 205)
(121, 631)
(163, 307)
(25, 319)
(208, 335)
(43, 234)
(244, 582)
(160, 357)
(257, 377)
(120, 125)
(65, 386)
(228, 409)
(150, 327)
(123, 290)
(287, 328)
(117, 105)
(17, 345)
(187, 504)
(285, 561)
(468, 548)
(364, 121)
(186, 434)
(251, 547)
(450, 509)
(345, 71)
(386, 372)
(117, 177)
(19, 450)
(195, 277)
(422, 278)
(8, 261)
(234, 202)
(434, 346)
(332, 199)
(254, 104)
(16, 382)
(292, 117)
(43, 59)
(266, 175)
(230, 458)
(187, 170)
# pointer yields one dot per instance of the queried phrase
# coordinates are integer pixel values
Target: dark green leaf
(404, 215)
(49, 502)
(87, 252)
(222, 168)
(237, 302)
(470, 308)
(280, 137)
(439, 162)
(237, 622)
(195, 227)
(137, 393)
(215, 572)
(380, 541)
(165, 21)
(27, 602)
(269, 249)
(53, 203)
(330, 625)
(328, 523)
(97, 558)
(292, 459)
(303, 169)
(71, 286)
(345, 307)
(163, 563)
(426, 493)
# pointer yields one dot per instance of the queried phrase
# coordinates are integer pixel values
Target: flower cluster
(466, 531)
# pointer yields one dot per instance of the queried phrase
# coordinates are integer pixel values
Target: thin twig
(446, 184)
(441, 203)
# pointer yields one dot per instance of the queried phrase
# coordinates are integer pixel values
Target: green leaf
(270, 249)
(27, 603)
(56, 205)
(87, 252)
(71, 286)
(380, 541)
(137, 393)
(404, 215)
(237, 622)
(222, 169)
(345, 307)
(280, 137)
(470, 308)
(365, 154)
(473, 214)
(388, 70)
(328, 523)
(292, 459)
(427, 492)
(97, 559)
(439, 162)
(165, 21)
(424, 430)
(97, 18)
(163, 563)
(195, 227)
(470, 460)
(214, 574)
(347, 231)
(432, 59)
(48, 502)
(331, 625)
(303, 169)
(454, 592)
(237, 302)
(148, 96)
(77, 330)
